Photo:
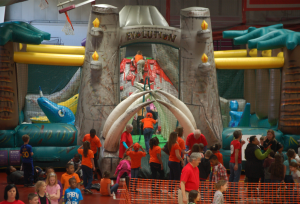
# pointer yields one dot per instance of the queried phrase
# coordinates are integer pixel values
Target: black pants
(28, 173)
(96, 167)
(175, 172)
(156, 168)
(252, 188)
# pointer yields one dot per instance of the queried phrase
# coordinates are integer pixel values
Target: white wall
(55, 29)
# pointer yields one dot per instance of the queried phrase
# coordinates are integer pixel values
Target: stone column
(99, 86)
(198, 81)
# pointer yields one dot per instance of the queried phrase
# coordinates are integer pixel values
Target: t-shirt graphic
(73, 196)
(26, 153)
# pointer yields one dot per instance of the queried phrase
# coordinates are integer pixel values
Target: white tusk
(181, 117)
(119, 110)
(180, 105)
(114, 134)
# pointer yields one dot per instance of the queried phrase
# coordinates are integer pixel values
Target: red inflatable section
(152, 73)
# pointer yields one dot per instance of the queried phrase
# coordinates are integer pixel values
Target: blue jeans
(148, 132)
(135, 172)
(87, 176)
(235, 175)
(28, 173)
(114, 188)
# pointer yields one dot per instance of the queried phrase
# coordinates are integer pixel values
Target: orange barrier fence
(166, 191)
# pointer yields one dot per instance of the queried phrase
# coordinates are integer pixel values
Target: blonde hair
(38, 185)
(48, 178)
(219, 184)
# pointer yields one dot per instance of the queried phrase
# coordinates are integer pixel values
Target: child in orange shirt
(136, 158)
(66, 176)
(87, 165)
(148, 129)
(215, 150)
(106, 189)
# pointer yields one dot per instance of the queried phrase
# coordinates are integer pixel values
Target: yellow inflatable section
(71, 103)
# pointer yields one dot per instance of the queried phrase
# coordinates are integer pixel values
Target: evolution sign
(150, 35)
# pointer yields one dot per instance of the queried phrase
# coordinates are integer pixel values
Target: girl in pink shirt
(123, 167)
(52, 188)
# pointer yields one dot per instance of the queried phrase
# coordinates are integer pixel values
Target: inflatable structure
(187, 92)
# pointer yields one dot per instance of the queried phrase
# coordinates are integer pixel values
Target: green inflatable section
(291, 141)
(259, 123)
(53, 156)
(42, 156)
(7, 138)
(59, 135)
(18, 31)
(227, 135)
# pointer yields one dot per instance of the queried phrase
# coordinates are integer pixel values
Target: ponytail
(151, 143)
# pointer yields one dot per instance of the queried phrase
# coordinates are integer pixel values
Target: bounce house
(105, 94)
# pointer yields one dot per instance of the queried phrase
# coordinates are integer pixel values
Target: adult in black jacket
(271, 141)
(254, 163)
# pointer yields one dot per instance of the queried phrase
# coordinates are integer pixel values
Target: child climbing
(124, 167)
(148, 129)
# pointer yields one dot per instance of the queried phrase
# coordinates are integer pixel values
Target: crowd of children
(53, 190)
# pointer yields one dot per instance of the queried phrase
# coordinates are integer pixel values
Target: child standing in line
(220, 186)
(194, 196)
(106, 189)
(66, 176)
(215, 150)
(204, 167)
(148, 129)
(77, 164)
(280, 149)
(218, 171)
(87, 166)
(50, 170)
(295, 172)
(33, 198)
(52, 188)
(26, 154)
(72, 194)
(40, 189)
(155, 161)
(136, 158)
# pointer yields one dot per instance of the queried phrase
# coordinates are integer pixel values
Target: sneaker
(88, 191)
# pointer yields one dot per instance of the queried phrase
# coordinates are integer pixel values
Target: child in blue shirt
(26, 154)
(73, 194)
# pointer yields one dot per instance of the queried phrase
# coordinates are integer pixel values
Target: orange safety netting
(166, 191)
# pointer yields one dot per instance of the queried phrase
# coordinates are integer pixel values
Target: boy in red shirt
(148, 129)
(235, 163)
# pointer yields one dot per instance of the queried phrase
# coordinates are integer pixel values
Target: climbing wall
(159, 80)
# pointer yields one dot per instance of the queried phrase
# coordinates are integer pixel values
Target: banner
(267, 5)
